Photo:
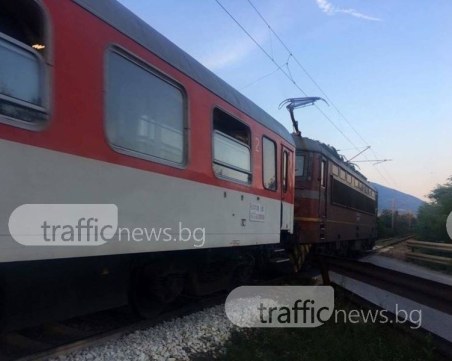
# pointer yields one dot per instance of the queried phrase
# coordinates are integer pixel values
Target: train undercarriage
(32, 293)
(36, 292)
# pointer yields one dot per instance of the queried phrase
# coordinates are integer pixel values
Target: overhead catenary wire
(286, 74)
(260, 78)
(289, 76)
(306, 72)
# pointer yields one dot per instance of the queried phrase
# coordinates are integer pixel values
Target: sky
(385, 67)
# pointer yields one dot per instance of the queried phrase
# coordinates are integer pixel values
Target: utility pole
(393, 211)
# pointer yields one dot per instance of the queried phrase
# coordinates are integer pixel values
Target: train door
(286, 186)
(323, 196)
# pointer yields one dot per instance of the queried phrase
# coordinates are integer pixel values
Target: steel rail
(388, 242)
(90, 339)
(424, 291)
(102, 338)
(430, 293)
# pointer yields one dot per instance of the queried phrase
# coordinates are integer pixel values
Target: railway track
(54, 340)
(57, 339)
(382, 244)
(389, 289)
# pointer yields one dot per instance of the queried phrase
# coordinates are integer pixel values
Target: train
(98, 108)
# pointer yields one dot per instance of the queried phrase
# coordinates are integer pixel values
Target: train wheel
(1, 311)
(243, 272)
(298, 255)
(151, 293)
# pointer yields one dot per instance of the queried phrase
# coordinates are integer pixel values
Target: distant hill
(403, 203)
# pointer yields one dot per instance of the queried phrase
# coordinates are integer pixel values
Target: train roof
(311, 145)
(117, 15)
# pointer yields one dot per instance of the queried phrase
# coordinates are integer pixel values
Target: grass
(329, 342)
(339, 342)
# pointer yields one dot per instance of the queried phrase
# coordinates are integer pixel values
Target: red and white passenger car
(97, 107)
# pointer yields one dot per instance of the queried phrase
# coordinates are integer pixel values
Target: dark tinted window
(285, 170)
(231, 148)
(346, 196)
(269, 163)
(20, 77)
(22, 65)
(145, 111)
(299, 166)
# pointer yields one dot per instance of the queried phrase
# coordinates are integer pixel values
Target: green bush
(431, 225)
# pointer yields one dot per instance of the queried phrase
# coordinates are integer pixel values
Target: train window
(230, 126)
(269, 163)
(322, 173)
(231, 158)
(145, 111)
(231, 148)
(349, 178)
(345, 196)
(285, 170)
(342, 174)
(22, 67)
(335, 170)
(299, 166)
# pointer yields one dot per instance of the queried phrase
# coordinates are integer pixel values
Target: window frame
(285, 171)
(353, 194)
(349, 178)
(323, 173)
(276, 164)
(335, 170)
(44, 85)
(250, 146)
(231, 166)
(304, 170)
(153, 70)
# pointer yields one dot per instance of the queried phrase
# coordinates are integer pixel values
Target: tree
(432, 216)
(390, 225)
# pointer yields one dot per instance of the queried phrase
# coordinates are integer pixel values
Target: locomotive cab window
(23, 49)
(145, 111)
(231, 148)
(269, 163)
(299, 165)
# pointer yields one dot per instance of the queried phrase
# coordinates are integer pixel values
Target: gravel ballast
(200, 332)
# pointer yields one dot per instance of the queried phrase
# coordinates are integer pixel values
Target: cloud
(233, 46)
(228, 54)
(330, 9)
